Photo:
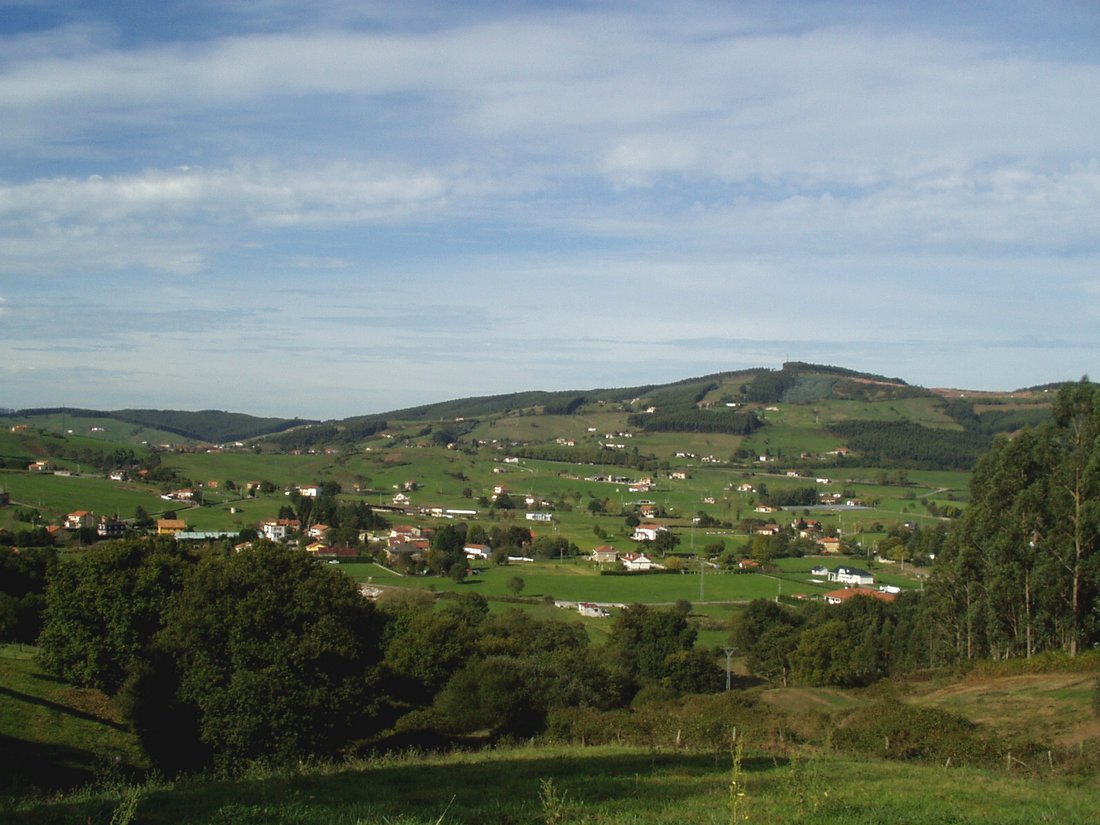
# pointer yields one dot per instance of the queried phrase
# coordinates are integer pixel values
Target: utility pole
(729, 664)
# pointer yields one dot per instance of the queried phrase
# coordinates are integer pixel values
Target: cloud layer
(401, 207)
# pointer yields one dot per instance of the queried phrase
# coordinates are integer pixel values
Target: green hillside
(214, 426)
(54, 737)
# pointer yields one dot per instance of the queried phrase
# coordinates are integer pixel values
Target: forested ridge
(215, 426)
(905, 443)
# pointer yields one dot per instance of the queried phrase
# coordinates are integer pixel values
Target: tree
(274, 654)
(1076, 501)
(515, 585)
(423, 649)
(104, 609)
(1020, 568)
(23, 578)
(665, 542)
(499, 694)
(642, 638)
(692, 671)
(447, 551)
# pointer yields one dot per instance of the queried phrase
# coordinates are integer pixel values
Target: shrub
(898, 731)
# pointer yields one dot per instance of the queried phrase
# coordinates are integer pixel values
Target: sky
(342, 207)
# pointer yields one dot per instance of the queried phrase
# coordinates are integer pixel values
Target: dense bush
(895, 730)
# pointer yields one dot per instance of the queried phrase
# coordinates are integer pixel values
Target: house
(410, 551)
(404, 532)
(746, 488)
(647, 532)
(592, 610)
(680, 475)
(79, 519)
(828, 544)
(821, 571)
(477, 551)
(110, 528)
(748, 564)
(540, 516)
(279, 529)
(401, 498)
(769, 529)
(638, 561)
(605, 554)
(764, 508)
(39, 466)
(317, 531)
(170, 526)
(274, 531)
(839, 596)
(851, 575)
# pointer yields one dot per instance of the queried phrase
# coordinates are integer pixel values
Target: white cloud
(173, 220)
(545, 182)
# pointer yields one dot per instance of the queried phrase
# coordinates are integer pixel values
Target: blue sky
(340, 207)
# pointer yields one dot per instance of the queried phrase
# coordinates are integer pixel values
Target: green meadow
(57, 495)
(572, 785)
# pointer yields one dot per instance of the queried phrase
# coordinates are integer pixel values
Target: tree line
(1017, 575)
(894, 443)
(220, 659)
(694, 420)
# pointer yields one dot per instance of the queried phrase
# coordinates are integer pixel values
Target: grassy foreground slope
(54, 735)
(607, 785)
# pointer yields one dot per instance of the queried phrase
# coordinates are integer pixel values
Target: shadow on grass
(36, 766)
(48, 677)
(59, 708)
(499, 790)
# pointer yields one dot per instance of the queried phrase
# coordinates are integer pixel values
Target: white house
(647, 532)
(274, 531)
(477, 551)
(592, 610)
(638, 561)
(851, 575)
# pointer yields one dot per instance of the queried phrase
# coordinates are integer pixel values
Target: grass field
(55, 735)
(587, 786)
(55, 496)
(580, 581)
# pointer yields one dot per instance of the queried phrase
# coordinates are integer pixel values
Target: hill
(213, 426)
(888, 422)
